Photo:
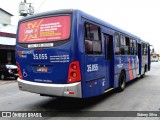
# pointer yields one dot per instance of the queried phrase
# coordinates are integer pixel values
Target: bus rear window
(45, 29)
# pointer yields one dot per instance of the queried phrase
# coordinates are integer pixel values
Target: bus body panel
(33, 67)
(127, 63)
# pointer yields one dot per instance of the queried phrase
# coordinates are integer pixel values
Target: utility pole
(26, 8)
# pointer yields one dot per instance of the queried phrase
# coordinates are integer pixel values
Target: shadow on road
(70, 104)
(9, 79)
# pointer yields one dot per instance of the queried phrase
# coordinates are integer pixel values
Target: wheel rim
(122, 81)
(2, 77)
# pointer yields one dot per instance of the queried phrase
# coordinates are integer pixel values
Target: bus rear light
(74, 74)
(19, 71)
(74, 67)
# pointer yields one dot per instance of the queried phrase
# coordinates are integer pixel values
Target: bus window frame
(118, 52)
(144, 48)
(133, 46)
(92, 40)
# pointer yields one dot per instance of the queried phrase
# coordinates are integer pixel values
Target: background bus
(72, 54)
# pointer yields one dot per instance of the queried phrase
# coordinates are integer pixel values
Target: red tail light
(74, 74)
(19, 71)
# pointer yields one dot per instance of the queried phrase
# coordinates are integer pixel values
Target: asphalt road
(139, 95)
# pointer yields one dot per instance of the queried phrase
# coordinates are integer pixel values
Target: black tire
(122, 82)
(16, 78)
(2, 77)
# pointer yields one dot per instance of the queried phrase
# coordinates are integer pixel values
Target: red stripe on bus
(130, 69)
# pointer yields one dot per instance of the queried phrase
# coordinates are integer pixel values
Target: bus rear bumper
(64, 90)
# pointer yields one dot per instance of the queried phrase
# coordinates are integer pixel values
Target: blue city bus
(69, 53)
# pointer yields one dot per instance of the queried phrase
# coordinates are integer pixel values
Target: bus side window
(108, 46)
(117, 44)
(133, 46)
(123, 45)
(144, 49)
(93, 43)
(127, 45)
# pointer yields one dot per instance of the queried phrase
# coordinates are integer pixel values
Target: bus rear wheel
(122, 82)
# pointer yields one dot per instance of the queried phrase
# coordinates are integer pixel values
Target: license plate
(42, 69)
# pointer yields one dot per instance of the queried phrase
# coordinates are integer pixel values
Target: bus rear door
(108, 47)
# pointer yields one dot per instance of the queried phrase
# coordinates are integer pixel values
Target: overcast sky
(139, 17)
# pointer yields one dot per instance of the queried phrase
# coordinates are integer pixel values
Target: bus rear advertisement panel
(70, 53)
(45, 30)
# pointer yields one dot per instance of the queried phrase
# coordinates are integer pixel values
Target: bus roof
(85, 15)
